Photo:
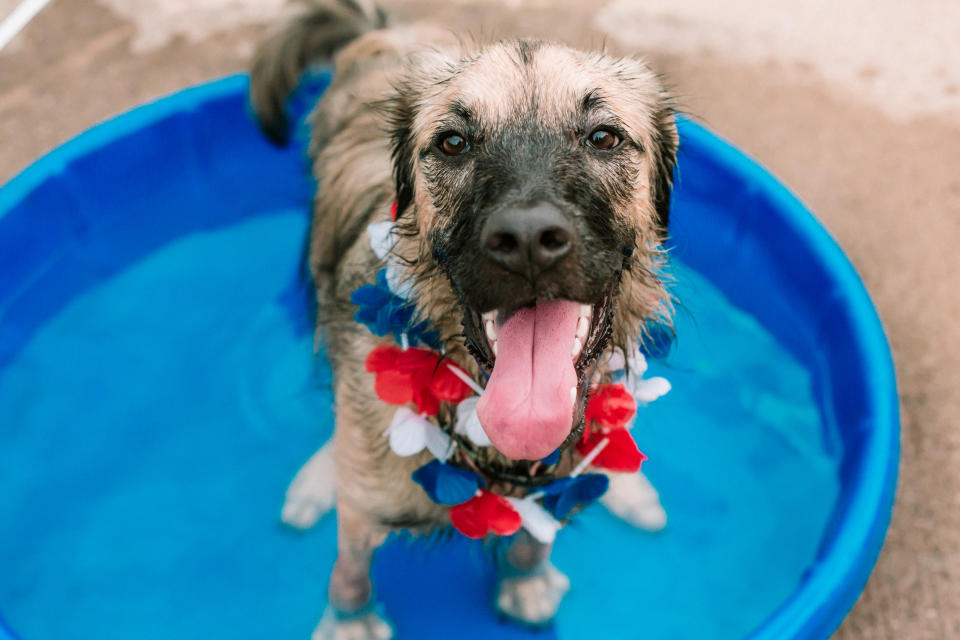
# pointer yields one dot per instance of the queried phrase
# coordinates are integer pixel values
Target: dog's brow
(591, 100)
(461, 110)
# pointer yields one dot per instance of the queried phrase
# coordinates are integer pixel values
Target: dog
(530, 184)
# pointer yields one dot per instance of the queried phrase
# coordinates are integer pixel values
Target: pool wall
(745, 232)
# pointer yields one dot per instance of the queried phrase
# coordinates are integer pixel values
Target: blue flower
(656, 341)
(563, 494)
(384, 312)
(552, 458)
(446, 484)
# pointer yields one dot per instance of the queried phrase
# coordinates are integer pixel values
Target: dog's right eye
(603, 139)
(453, 144)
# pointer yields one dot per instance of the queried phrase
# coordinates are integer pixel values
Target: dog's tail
(311, 37)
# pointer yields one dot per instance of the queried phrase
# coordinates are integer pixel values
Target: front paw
(532, 598)
(365, 626)
(312, 492)
(634, 500)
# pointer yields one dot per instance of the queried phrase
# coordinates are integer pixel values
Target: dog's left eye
(453, 144)
(603, 139)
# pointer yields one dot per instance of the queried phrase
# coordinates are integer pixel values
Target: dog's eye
(603, 139)
(453, 144)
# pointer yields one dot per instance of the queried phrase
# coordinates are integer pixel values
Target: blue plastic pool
(157, 393)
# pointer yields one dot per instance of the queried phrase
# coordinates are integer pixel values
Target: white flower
(468, 424)
(536, 519)
(382, 238)
(645, 390)
(399, 283)
(409, 433)
(382, 241)
(615, 361)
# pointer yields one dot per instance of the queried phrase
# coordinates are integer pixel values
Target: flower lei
(407, 374)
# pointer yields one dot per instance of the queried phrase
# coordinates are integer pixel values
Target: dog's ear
(398, 110)
(425, 70)
(401, 113)
(663, 165)
(647, 104)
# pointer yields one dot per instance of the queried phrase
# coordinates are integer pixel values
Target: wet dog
(531, 187)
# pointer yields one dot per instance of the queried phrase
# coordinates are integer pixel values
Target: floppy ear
(663, 165)
(400, 115)
(426, 69)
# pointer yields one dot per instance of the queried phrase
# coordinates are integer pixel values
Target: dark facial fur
(511, 166)
(526, 111)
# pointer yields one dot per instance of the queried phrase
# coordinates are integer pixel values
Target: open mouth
(539, 358)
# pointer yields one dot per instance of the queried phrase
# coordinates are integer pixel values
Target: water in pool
(149, 429)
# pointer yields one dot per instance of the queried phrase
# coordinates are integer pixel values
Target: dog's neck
(442, 381)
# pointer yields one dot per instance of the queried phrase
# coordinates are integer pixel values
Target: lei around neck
(418, 380)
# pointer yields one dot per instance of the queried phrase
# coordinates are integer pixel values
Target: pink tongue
(526, 409)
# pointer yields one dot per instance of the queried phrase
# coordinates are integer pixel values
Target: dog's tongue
(526, 409)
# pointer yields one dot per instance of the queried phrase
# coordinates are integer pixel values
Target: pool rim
(836, 579)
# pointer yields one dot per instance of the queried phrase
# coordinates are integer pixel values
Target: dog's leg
(313, 491)
(530, 587)
(632, 498)
(351, 613)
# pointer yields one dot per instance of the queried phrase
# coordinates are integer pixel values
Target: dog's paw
(312, 492)
(368, 626)
(632, 498)
(532, 598)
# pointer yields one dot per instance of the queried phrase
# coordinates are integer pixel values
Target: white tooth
(494, 349)
(586, 311)
(491, 330)
(490, 316)
(573, 395)
(577, 346)
(583, 326)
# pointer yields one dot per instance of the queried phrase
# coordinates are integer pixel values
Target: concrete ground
(855, 105)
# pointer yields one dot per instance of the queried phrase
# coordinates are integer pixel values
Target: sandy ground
(855, 105)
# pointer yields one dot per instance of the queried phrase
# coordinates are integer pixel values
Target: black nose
(527, 240)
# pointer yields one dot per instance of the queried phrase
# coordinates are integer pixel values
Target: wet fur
(525, 104)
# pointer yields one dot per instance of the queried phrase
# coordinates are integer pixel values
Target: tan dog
(532, 183)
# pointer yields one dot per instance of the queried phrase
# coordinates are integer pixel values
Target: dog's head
(537, 178)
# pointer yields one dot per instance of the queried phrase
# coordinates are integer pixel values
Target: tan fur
(564, 74)
(352, 161)
(351, 150)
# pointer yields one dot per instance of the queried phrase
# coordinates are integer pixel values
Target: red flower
(610, 405)
(414, 375)
(381, 358)
(484, 513)
(391, 385)
(447, 386)
(620, 453)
